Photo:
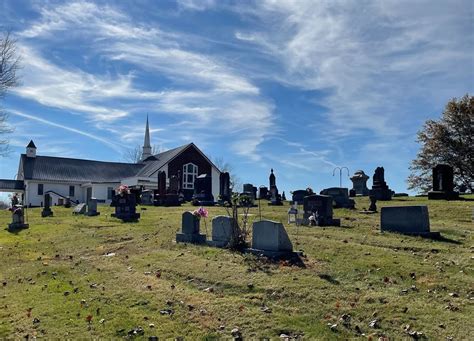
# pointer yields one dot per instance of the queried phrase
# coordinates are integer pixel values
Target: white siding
(34, 199)
(215, 183)
(99, 191)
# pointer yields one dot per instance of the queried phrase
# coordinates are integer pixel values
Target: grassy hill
(96, 277)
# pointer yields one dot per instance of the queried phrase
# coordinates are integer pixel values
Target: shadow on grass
(442, 239)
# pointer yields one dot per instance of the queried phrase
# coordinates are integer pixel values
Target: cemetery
(108, 234)
(172, 274)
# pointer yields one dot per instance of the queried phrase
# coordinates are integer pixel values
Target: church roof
(155, 162)
(50, 168)
(75, 170)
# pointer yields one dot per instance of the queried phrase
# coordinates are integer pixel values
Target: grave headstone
(263, 192)
(373, 202)
(222, 231)
(283, 196)
(67, 203)
(79, 209)
(47, 212)
(411, 220)
(359, 183)
(340, 197)
(160, 194)
(224, 188)
(379, 188)
(249, 189)
(125, 207)
(443, 184)
(203, 191)
(18, 218)
(190, 231)
(320, 207)
(270, 238)
(298, 196)
(352, 193)
(92, 207)
(146, 197)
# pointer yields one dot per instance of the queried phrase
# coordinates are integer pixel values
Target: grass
(57, 272)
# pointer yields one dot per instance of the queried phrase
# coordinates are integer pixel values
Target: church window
(190, 172)
(40, 189)
(71, 191)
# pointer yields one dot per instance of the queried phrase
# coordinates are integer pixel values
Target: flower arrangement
(123, 190)
(201, 212)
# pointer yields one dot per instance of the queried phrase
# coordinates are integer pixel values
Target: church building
(81, 179)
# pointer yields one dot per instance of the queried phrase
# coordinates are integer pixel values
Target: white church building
(81, 179)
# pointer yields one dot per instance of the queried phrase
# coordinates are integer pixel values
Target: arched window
(190, 172)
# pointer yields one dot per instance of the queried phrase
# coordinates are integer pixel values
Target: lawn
(96, 277)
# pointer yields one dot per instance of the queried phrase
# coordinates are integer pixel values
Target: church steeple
(146, 144)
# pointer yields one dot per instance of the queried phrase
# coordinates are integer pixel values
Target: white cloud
(368, 60)
(200, 87)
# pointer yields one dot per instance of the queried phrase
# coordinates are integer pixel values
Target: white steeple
(146, 144)
(31, 149)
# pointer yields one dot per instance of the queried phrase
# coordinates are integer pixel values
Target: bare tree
(134, 155)
(9, 65)
(235, 182)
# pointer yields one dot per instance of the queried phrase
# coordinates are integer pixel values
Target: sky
(299, 86)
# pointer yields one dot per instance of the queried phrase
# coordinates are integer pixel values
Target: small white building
(81, 179)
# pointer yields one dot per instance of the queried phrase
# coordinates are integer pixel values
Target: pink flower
(201, 212)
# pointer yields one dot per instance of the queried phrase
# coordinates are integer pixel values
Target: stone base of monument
(17, 226)
(409, 220)
(191, 238)
(203, 203)
(321, 222)
(442, 195)
(46, 213)
(126, 217)
(92, 214)
(381, 194)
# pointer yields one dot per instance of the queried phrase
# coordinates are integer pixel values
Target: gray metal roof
(49, 168)
(11, 185)
(76, 170)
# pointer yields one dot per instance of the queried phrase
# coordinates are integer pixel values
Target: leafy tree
(9, 65)
(450, 140)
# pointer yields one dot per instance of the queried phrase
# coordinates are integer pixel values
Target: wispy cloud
(199, 87)
(115, 146)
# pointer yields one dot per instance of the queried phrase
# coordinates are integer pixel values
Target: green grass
(352, 270)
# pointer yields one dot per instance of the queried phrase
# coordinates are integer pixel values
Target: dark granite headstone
(203, 191)
(224, 188)
(373, 204)
(125, 207)
(146, 197)
(298, 196)
(249, 189)
(320, 208)
(340, 197)
(47, 212)
(190, 230)
(379, 188)
(352, 193)
(92, 207)
(67, 203)
(443, 184)
(263, 192)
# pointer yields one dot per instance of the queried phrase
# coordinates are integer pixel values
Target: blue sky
(298, 86)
